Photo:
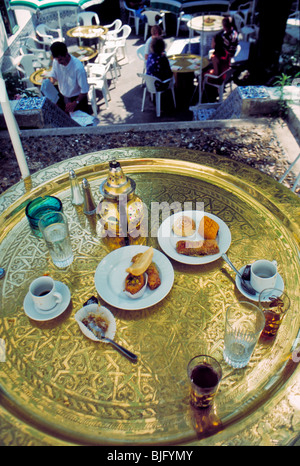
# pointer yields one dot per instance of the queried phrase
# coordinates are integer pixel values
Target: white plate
(111, 272)
(279, 285)
(101, 310)
(167, 238)
(41, 316)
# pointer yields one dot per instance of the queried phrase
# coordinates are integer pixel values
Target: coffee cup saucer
(36, 314)
(279, 285)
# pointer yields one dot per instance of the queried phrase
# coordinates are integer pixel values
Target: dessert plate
(36, 314)
(167, 238)
(102, 311)
(111, 272)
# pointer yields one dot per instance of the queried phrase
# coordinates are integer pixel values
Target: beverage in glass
(39, 207)
(243, 326)
(274, 303)
(54, 228)
(204, 373)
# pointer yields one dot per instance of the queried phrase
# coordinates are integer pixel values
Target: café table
(208, 27)
(184, 66)
(60, 388)
(92, 32)
(83, 53)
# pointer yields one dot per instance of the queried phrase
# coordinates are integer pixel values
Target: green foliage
(16, 87)
(282, 81)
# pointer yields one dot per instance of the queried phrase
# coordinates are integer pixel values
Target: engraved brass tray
(59, 388)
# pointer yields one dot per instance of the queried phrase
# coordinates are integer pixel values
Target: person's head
(156, 31)
(227, 23)
(158, 45)
(60, 53)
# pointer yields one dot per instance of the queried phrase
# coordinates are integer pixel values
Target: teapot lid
(116, 183)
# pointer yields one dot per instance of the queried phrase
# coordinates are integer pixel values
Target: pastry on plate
(184, 226)
(152, 273)
(197, 248)
(208, 228)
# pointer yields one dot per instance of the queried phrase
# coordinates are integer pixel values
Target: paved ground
(126, 96)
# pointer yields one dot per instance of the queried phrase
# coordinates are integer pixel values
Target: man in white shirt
(71, 77)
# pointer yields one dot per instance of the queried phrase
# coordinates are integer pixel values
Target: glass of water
(243, 326)
(55, 231)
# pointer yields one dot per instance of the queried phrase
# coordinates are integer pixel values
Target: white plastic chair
(25, 67)
(214, 81)
(88, 18)
(244, 31)
(182, 17)
(151, 16)
(150, 87)
(93, 100)
(97, 68)
(132, 14)
(119, 42)
(111, 59)
(48, 35)
(42, 57)
(140, 51)
(245, 10)
(98, 81)
(113, 29)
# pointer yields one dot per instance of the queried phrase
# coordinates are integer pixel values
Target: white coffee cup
(263, 274)
(44, 294)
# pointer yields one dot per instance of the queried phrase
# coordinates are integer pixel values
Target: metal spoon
(123, 350)
(245, 285)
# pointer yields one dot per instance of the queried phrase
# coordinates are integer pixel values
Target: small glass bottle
(77, 197)
(89, 204)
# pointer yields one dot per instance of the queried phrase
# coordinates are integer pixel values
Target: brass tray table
(59, 388)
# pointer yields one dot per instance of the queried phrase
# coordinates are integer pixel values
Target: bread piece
(184, 226)
(208, 228)
(197, 248)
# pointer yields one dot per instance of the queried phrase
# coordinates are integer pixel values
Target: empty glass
(243, 326)
(54, 228)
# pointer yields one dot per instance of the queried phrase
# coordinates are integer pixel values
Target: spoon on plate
(101, 336)
(244, 284)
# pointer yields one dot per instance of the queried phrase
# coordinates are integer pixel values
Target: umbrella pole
(13, 130)
(59, 23)
(201, 65)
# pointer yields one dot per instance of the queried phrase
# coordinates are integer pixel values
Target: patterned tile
(30, 103)
(253, 92)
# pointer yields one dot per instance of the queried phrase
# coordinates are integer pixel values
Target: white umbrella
(13, 130)
(41, 5)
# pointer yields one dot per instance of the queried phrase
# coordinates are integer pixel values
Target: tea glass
(54, 228)
(204, 373)
(243, 325)
(274, 303)
(39, 207)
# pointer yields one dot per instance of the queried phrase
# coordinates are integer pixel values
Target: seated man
(71, 76)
